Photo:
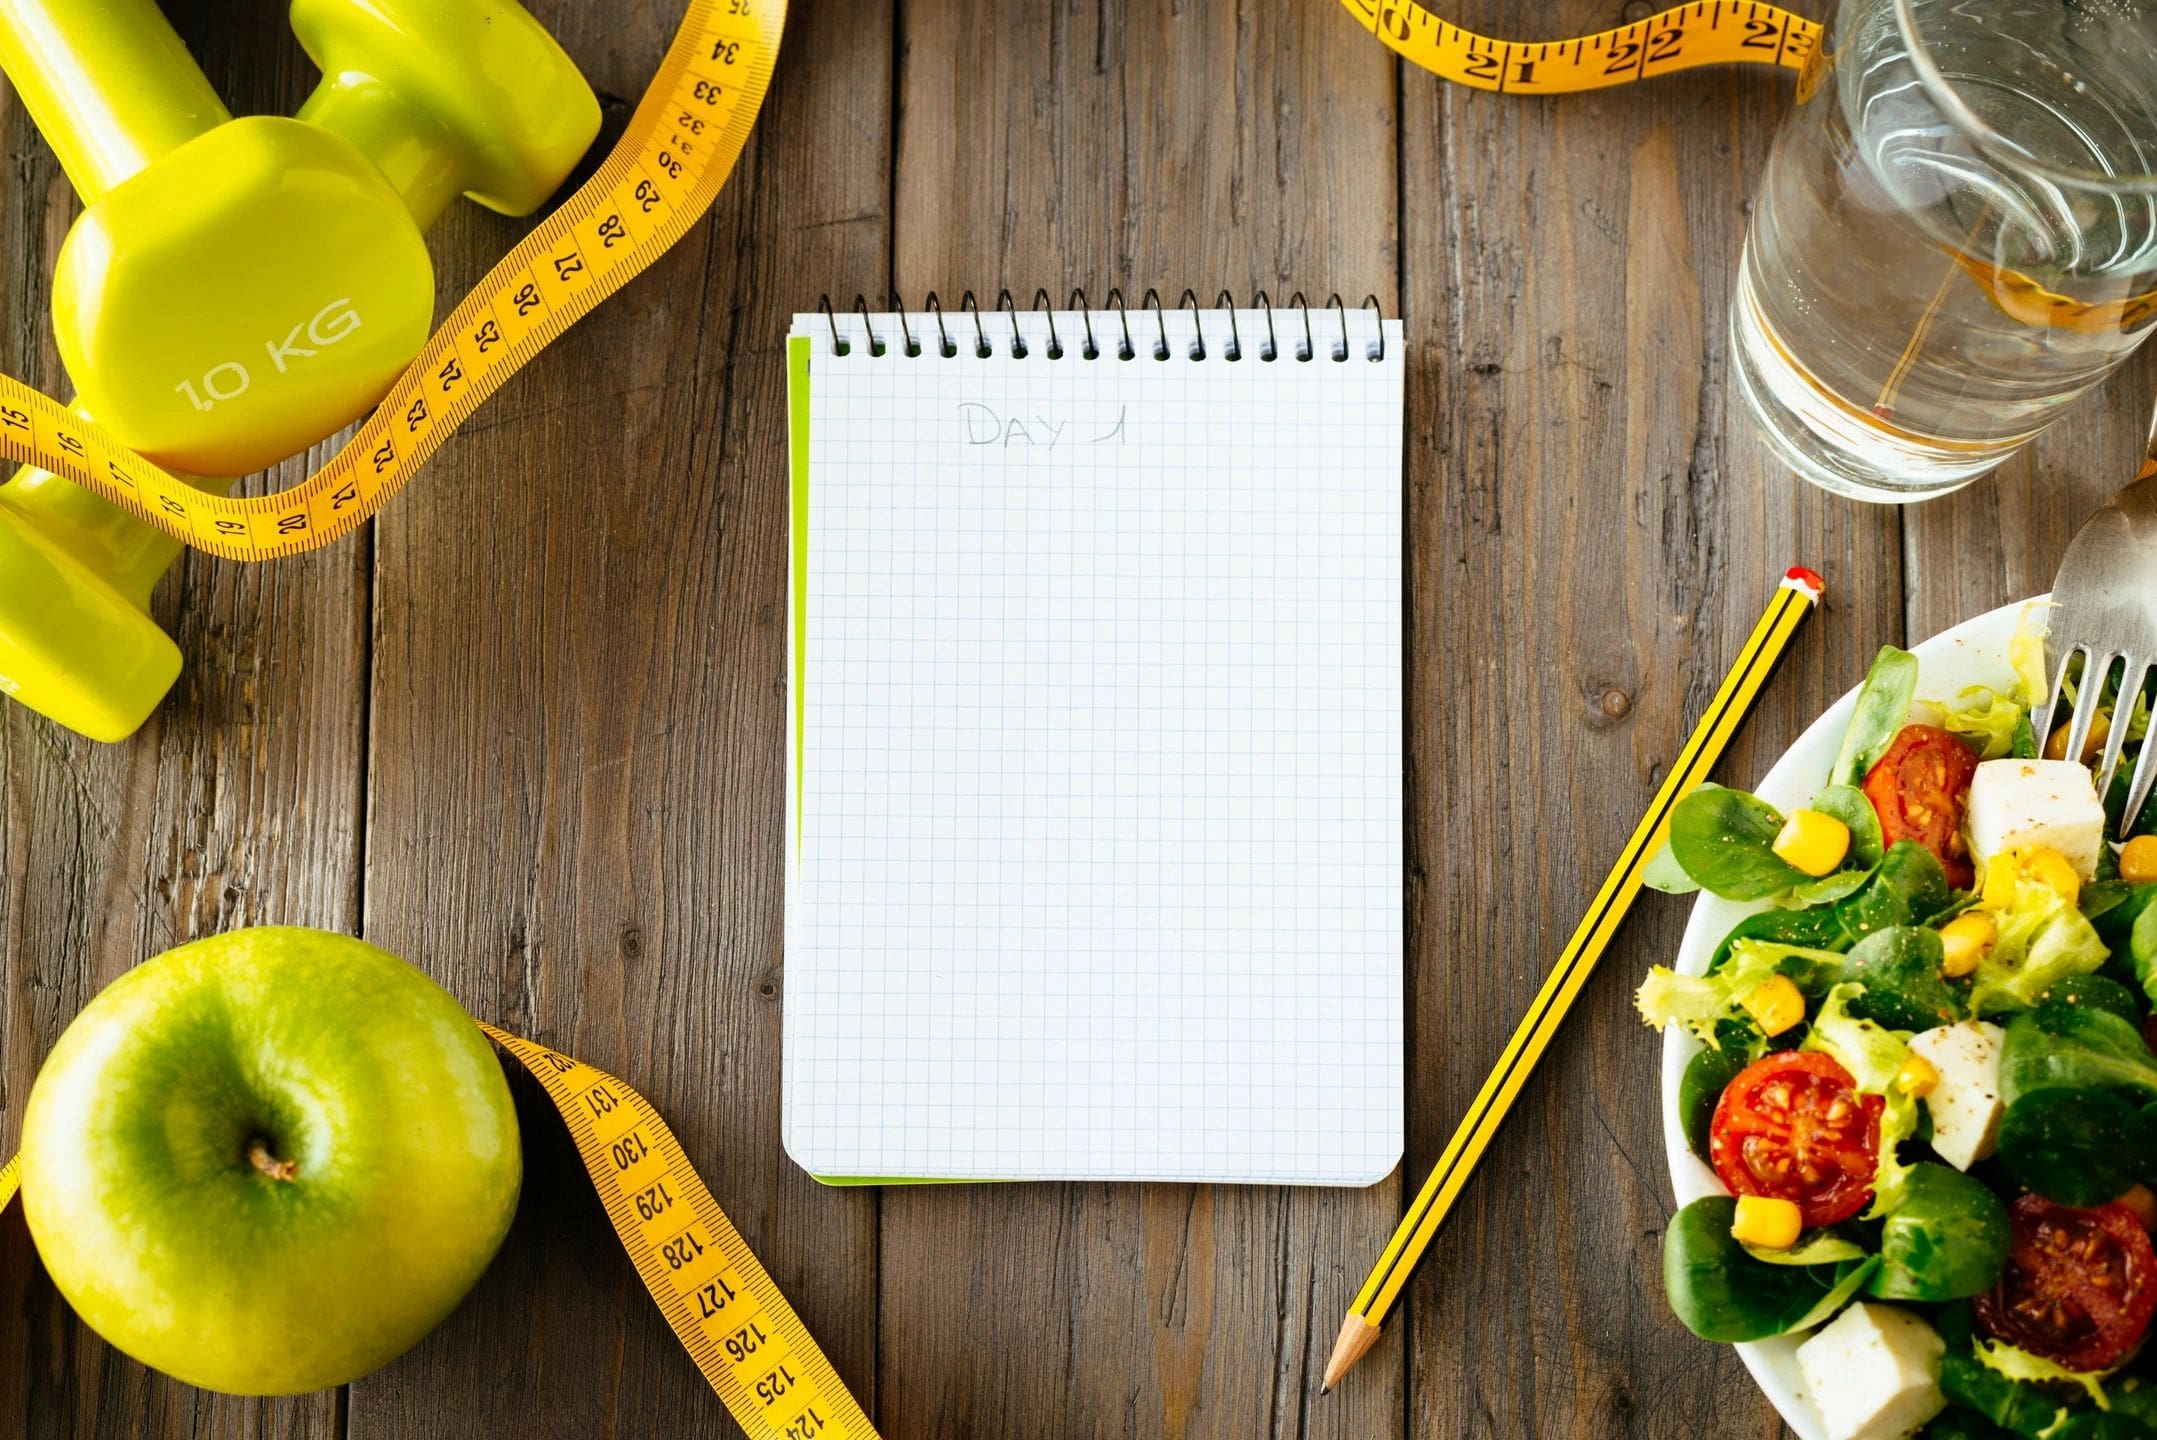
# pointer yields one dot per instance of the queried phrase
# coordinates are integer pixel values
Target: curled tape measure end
(730, 1316)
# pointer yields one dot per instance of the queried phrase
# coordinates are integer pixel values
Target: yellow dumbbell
(237, 289)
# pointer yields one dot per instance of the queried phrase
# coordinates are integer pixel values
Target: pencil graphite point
(1357, 1337)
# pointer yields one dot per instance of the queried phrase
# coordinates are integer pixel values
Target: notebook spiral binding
(1091, 350)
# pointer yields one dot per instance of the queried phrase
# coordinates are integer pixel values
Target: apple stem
(259, 1156)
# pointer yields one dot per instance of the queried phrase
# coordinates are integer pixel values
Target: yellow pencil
(1794, 600)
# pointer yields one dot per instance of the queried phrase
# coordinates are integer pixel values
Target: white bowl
(1972, 653)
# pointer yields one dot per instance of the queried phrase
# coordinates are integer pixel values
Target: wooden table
(527, 731)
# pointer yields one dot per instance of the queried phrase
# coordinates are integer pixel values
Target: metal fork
(2105, 596)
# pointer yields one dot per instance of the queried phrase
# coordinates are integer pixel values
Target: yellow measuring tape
(660, 178)
(726, 1311)
(1712, 32)
(1685, 37)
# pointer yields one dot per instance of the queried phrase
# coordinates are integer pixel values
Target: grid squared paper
(1095, 841)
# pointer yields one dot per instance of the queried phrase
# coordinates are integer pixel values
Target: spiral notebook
(1094, 863)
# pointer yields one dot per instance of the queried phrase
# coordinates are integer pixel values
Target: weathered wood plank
(575, 750)
(1595, 531)
(2001, 538)
(1250, 146)
(238, 803)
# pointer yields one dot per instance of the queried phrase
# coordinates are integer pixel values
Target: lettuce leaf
(2043, 939)
(1873, 1054)
(2026, 653)
(1990, 719)
(2018, 1364)
(1700, 1002)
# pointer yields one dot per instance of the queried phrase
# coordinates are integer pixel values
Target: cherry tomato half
(2079, 1286)
(1793, 1126)
(1919, 789)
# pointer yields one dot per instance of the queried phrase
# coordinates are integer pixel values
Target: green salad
(1926, 1078)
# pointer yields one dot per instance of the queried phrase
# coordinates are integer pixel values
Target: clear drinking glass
(1956, 236)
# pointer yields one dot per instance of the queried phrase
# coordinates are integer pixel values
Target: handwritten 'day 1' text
(984, 425)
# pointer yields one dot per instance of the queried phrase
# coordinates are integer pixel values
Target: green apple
(269, 1161)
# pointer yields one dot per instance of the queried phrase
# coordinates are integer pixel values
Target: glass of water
(1956, 236)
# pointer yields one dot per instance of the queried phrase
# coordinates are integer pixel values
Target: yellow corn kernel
(1964, 941)
(2100, 730)
(1812, 841)
(2048, 866)
(2042, 863)
(1775, 1005)
(1996, 890)
(2138, 860)
(1765, 1221)
(1917, 1078)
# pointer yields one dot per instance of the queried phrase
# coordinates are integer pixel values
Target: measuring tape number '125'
(660, 178)
(727, 1312)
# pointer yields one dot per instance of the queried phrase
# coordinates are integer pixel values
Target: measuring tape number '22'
(660, 178)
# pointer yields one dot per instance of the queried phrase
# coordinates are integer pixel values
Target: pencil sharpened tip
(1357, 1336)
(1325, 1389)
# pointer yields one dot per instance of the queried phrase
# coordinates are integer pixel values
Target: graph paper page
(1095, 740)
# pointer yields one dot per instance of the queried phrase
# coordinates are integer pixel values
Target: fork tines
(2096, 667)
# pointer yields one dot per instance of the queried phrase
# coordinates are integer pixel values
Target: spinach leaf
(1721, 837)
(1721, 1293)
(2116, 805)
(1882, 705)
(2101, 1425)
(2025, 746)
(2079, 1147)
(1960, 1424)
(1850, 1278)
(1701, 1087)
(2111, 907)
(2142, 950)
(1908, 887)
(1900, 970)
(1814, 1247)
(2096, 992)
(2019, 1408)
(1946, 1240)
(1806, 929)
(2063, 1045)
(1848, 804)
(1664, 873)
(1828, 888)
(2134, 1395)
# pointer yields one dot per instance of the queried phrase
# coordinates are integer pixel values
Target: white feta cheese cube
(1873, 1372)
(1965, 1105)
(2015, 804)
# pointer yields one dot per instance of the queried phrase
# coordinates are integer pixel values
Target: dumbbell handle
(110, 85)
(107, 539)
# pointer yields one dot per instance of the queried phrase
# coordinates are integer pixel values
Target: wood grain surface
(527, 729)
